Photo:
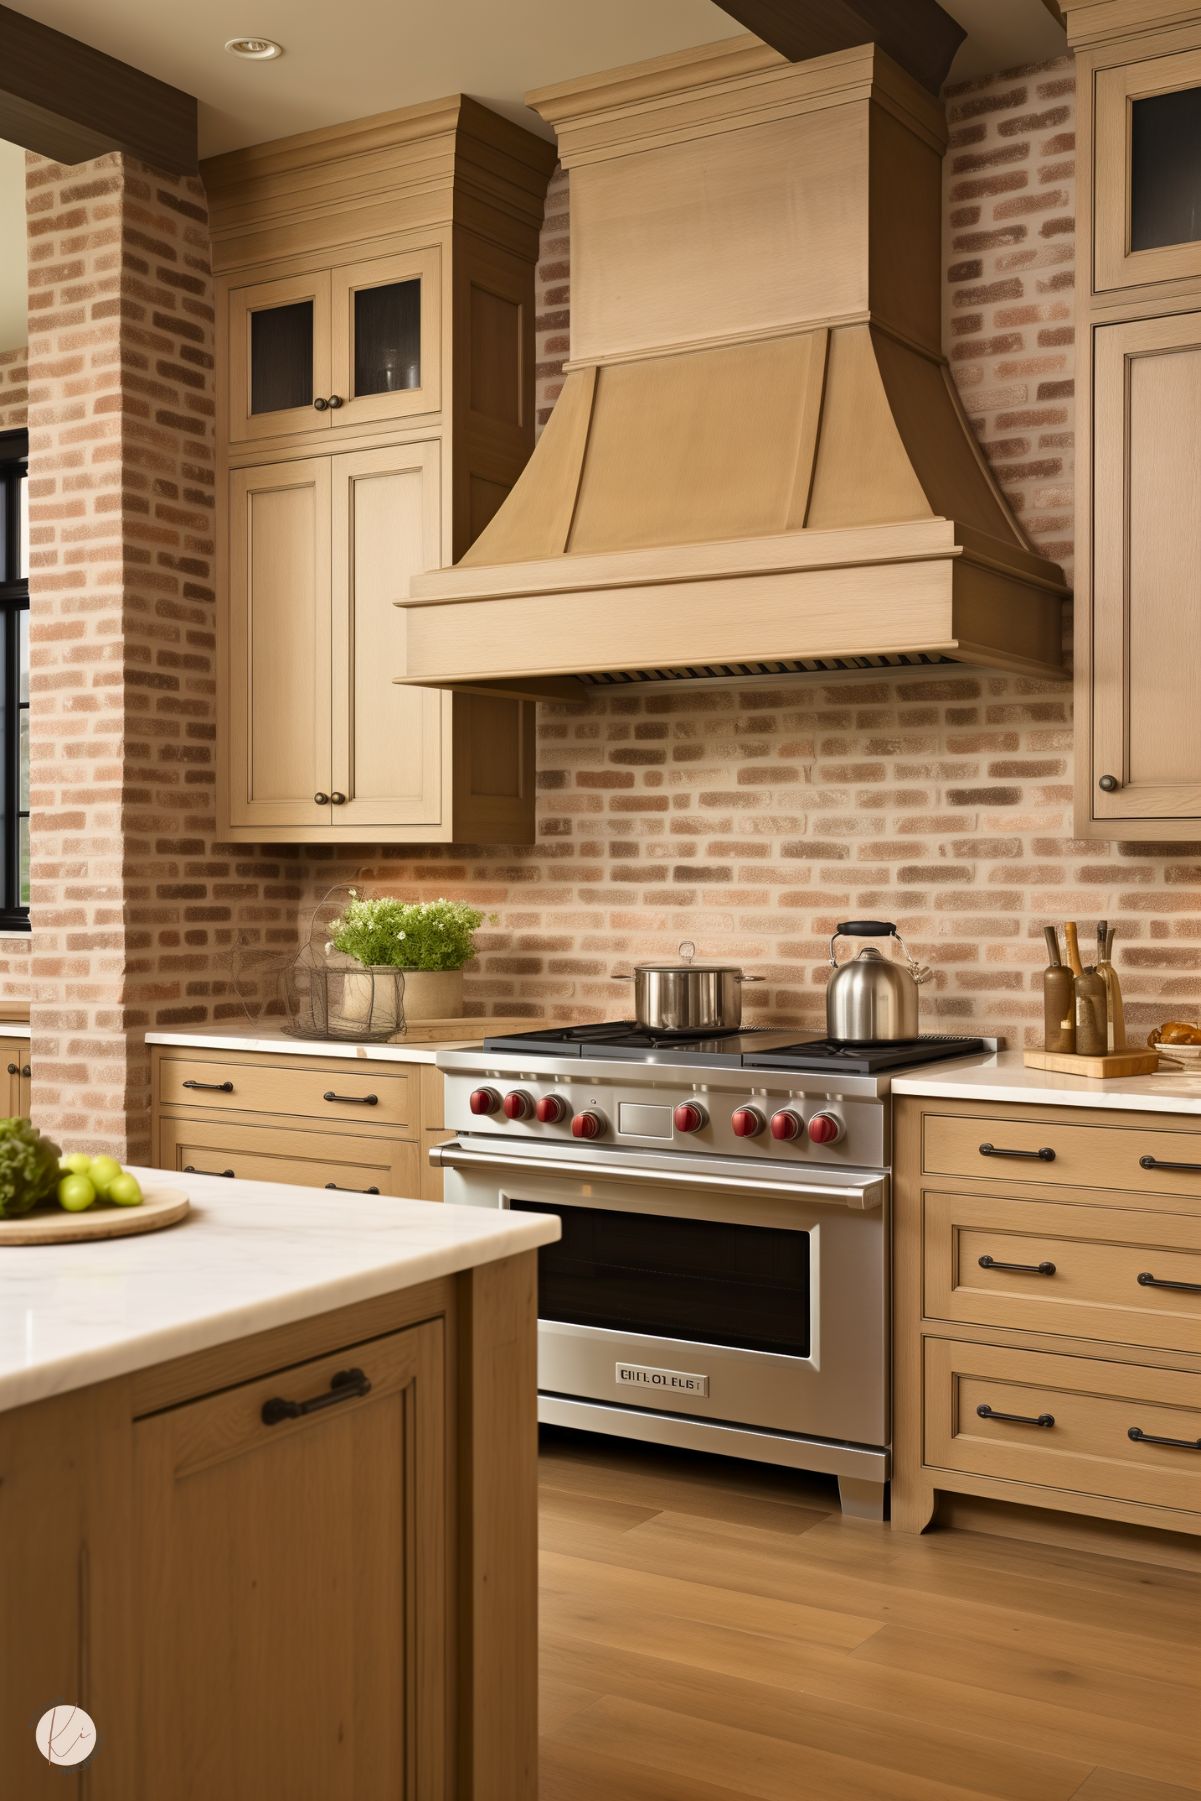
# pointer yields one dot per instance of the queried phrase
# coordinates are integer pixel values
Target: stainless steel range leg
(860, 1499)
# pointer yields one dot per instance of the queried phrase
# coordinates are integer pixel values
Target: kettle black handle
(866, 928)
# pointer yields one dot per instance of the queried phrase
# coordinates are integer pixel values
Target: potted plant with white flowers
(429, 941)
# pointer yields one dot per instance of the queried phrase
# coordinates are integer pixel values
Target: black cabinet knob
(1109, 784)
(320, 404)
(321, 798)
(338, 798)
(335, 401)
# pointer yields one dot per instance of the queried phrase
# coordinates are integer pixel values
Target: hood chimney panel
(758, 454)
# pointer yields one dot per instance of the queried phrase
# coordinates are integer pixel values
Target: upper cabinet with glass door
(355, 345)
(1148, 171)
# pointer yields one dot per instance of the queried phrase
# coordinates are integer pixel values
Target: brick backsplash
(751, 820)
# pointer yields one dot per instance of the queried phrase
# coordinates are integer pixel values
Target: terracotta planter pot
(433, 993)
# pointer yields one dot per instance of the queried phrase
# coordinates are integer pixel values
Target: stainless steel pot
(688, 996)
(872, 998)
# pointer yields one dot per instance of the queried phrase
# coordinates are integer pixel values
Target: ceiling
(365, 56)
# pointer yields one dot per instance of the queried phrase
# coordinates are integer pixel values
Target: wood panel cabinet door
(391, 744)
(1146, 616)
(277, 658)
(279, 381)
(291, 1583)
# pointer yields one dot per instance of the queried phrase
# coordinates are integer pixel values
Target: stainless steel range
(722, 1278)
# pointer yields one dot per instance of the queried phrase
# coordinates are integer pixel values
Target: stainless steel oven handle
(862, 1197)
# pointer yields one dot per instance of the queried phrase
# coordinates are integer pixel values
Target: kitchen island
(267, 1500)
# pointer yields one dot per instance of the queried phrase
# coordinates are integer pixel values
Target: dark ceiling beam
(70, 102)
(918, 34)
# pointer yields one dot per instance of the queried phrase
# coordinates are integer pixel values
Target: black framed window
(14, 682)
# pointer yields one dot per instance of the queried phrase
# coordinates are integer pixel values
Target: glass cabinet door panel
(281, 357)
(387, 337)
(386, 325)
(278, 358)
(1165, 169)
(1146, 174)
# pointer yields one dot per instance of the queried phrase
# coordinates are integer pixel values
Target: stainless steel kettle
(872, 998)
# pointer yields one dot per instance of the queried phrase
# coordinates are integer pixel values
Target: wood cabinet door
(291, 1584)
(276, 665)
(386, 353)
(1147, 172)
(1146, 620)
(391, 744)
(279, 358)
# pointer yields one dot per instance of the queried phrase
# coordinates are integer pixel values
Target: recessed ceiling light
(255, 50)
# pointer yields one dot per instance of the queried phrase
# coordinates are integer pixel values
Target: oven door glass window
(703, 1281)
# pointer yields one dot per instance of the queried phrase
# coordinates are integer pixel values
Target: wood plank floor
(712, 1631)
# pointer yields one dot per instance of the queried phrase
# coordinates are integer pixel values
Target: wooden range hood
(758, 464)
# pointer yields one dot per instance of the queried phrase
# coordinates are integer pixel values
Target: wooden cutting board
(1112, 1063)
(51, 1225)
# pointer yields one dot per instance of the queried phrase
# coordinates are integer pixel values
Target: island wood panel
(292, 1585)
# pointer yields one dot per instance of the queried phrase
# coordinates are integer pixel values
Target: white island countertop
(1002, 1076)
(249, 1256)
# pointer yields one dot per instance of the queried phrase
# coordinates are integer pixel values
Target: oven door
(690, 1286)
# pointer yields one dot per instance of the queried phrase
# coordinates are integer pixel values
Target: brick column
(121, 641)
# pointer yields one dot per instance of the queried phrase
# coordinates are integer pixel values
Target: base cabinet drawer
(357, 1163)
(1115, 1161)
(1103, 1273)
(1075, 1424)
(377, 1094)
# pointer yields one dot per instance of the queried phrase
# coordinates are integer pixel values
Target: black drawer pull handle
(352, 1100)
(341, 1190)
(1177, 1444)
(1147, 1280)
(1045, 1155)
(190, 1169)
(347, 1385)
(1019, 1419)
(212, 1087)
(1025, 1269)
(1192, 1169)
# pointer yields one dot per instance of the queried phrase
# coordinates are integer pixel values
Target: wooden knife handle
(1072, 941)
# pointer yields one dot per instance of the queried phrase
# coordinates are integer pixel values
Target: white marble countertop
(14, 1028)
(249, 1256)
(1002, 1076)
(267, 1036)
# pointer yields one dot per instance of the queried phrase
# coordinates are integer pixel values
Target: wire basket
(335, 997)
(322, 993)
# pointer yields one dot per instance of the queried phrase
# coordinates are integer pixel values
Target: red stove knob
(550, 1109)
(587, 1125)
(484, 1100)
(517, 1104)
(787, 1125)
(826, 1128)
(690, 1116)
(747, 1122)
